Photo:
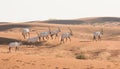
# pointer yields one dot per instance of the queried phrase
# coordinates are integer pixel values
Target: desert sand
(50, 54)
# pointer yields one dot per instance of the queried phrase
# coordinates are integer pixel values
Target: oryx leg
(29, 34)
(47, 37)
(66, 39)
(69, 39)
(62, 41)
(99, 37)
(9, 49)
(23, 35)
(51, 36)
(94, 37)
(56, 36)
(43, 38)
(39, 38)
(16, 48)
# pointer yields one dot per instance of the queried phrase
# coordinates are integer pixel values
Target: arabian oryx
(55, 33)
(43, 35)
(66, 35)
(33, 40)
(25, 32)
(15, 45)
(97, 35)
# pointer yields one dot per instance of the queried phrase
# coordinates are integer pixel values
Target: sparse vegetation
(80, 53)
(81, 56)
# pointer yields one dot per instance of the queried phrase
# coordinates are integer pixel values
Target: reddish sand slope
(49, 54)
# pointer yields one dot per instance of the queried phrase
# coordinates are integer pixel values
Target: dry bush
(81, 56)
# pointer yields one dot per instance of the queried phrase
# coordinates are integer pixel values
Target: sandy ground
(49, 54)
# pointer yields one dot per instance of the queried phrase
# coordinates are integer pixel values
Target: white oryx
(33, 40)
(25, 32)
(66, 36)
(14, 45)
(43, 35)
(97, 35)
(55, 33)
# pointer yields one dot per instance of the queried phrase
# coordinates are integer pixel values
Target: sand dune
(89, 20)
(50, 54)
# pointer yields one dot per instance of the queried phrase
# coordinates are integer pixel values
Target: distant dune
(79, 53)
(89, 20)
(100, 19)
(65, 21)
(4, 22)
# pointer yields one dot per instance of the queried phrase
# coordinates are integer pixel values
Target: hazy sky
(26, 10)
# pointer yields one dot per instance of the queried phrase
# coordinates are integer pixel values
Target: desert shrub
(81, 56)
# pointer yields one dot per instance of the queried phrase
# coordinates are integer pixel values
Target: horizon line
(55, 19)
